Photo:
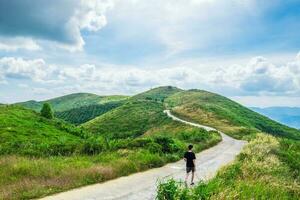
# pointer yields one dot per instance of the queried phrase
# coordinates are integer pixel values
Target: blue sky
(244, 49)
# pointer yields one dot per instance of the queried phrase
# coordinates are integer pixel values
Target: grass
(262, 171)
(25, 132)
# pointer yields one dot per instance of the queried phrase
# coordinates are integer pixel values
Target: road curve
(142, 185)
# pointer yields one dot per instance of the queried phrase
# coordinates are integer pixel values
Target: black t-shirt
(190, 156)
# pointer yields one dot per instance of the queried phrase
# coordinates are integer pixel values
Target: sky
(247, 50)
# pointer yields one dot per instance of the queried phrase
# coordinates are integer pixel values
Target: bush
(93, 145)
(46, 111)
(154, 147)
(167, 143)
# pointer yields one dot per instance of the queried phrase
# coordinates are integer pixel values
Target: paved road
(143, 185)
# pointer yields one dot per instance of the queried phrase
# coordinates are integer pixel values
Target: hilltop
(72, 101)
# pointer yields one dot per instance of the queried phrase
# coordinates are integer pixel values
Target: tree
(46, 111)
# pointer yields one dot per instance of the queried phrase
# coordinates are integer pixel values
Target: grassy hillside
(71, 101)
(25, 132)
(83, 114)
(141, 113)
(130, 120)
(220, 112)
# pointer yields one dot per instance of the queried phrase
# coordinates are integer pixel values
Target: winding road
(143, 185)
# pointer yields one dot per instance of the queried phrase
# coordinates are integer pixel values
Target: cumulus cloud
(14, 44)
(19, 68)
(60, 21)
(258, 77)
(261, 77)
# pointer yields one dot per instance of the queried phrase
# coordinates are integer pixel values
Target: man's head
(190, 147)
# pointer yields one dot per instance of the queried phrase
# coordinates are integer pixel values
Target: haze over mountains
(285, 115)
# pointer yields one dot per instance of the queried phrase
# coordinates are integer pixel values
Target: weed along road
(143, 185)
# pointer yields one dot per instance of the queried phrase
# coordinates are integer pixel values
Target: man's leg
(187, 176)
(193, 173)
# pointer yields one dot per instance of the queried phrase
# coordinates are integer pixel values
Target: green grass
(267, 168)
(226, 115)
(71, 101)
(129, 120)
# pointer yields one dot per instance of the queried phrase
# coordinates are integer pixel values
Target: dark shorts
(189, 169)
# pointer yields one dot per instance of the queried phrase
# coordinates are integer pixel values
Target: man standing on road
(190, 158)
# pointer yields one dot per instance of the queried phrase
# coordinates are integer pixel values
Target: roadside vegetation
(267, 168)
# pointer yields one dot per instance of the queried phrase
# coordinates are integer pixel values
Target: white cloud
(19, 68)
(260, 77)
(14, 44)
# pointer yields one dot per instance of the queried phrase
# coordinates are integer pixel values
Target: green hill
(23, 131)
(71, 101)
(220, 112)
(85, 113)
(141, 113)
(130, 120)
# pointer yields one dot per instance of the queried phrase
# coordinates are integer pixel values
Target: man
(190, 158)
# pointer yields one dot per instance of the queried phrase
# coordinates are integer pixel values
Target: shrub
(93, 145)
(154, 147)
(167, 143)
(46, 111)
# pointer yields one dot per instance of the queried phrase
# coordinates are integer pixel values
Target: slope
(23, 131)
(220, 112)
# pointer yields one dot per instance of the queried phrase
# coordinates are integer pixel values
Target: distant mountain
(286, 115)
(71, 101)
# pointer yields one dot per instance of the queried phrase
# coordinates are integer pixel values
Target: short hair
(190, 146)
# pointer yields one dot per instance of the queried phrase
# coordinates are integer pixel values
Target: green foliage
(83, 114)
(173, 190)
(46, 111)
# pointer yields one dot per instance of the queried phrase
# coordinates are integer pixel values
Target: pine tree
(46, 111)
